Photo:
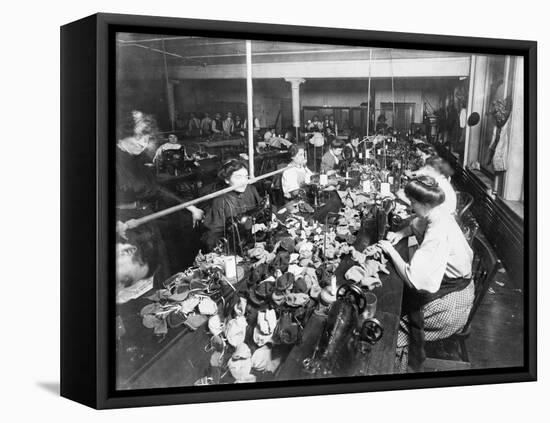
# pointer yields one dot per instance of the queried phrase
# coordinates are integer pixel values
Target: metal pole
(169, 97)
(133, 223)
(468, 129)
(368, 104)
(392, 92)
(249, 99)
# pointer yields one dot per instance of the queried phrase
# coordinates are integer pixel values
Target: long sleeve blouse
(443, 251)
(225, 206)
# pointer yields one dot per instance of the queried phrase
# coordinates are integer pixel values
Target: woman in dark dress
(234, 173)
(138, 194)
(136, 189)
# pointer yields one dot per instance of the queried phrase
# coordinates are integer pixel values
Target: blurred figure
(315, 125)
(256, 124)
(228, 125)
(194, 125)
(206, 125)
(424, 151)
(138, 193)
(381, 125)
(217, 124)
(238, 127)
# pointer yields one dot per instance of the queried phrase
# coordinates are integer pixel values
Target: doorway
(404, 115)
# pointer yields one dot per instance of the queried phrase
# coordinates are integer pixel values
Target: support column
(469, 111)
(295, 86)
(250, 108)
(513, 179)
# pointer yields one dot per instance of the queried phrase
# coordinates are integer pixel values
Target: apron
(413, 301)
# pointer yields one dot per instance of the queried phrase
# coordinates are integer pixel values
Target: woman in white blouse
(438, 291)
(298, 174)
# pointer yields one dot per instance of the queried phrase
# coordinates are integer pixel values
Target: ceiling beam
(398, 68)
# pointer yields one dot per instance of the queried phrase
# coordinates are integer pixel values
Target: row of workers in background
(206, 126)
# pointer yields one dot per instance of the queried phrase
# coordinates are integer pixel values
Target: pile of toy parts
(254, 323)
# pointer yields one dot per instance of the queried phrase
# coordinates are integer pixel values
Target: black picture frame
(87, 218)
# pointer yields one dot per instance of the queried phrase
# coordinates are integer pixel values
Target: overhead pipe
(267, 53)
(134, 223)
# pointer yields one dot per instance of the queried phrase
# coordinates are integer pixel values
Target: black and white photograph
(290, 211)
(275, 211)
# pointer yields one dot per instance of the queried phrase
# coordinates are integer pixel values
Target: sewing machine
(343, 335)
(239, 228)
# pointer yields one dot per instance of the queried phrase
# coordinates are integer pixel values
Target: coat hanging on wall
(500, 110)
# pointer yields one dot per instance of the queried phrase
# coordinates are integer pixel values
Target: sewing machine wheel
(353, 292)
(371, 331)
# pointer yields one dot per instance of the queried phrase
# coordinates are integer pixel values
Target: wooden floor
(496, 334)
(496, 338)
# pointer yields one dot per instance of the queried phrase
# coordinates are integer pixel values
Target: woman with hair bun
(438, 292)
(233, 173)
(440, 170)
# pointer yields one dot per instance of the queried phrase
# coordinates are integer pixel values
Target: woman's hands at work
(401, 196)
(394, 237)
(197, 214)
(398, 262)
(387, 247)
(121, 228)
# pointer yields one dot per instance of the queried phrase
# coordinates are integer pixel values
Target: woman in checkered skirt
(438, 292)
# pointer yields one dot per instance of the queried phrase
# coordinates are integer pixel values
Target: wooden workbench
(380, 359)
(180, 358)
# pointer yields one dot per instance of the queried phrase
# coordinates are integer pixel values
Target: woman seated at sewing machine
(171, 145)
(351, 149)
(437, 168)
(234, 173)
(438, 292)
(332, 158)
(294, 178)
(424, 152)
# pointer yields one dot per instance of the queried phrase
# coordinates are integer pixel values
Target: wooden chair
(469, 227)
(464, 201)
(451, 353)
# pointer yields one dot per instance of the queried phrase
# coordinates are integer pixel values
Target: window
(494, 145)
